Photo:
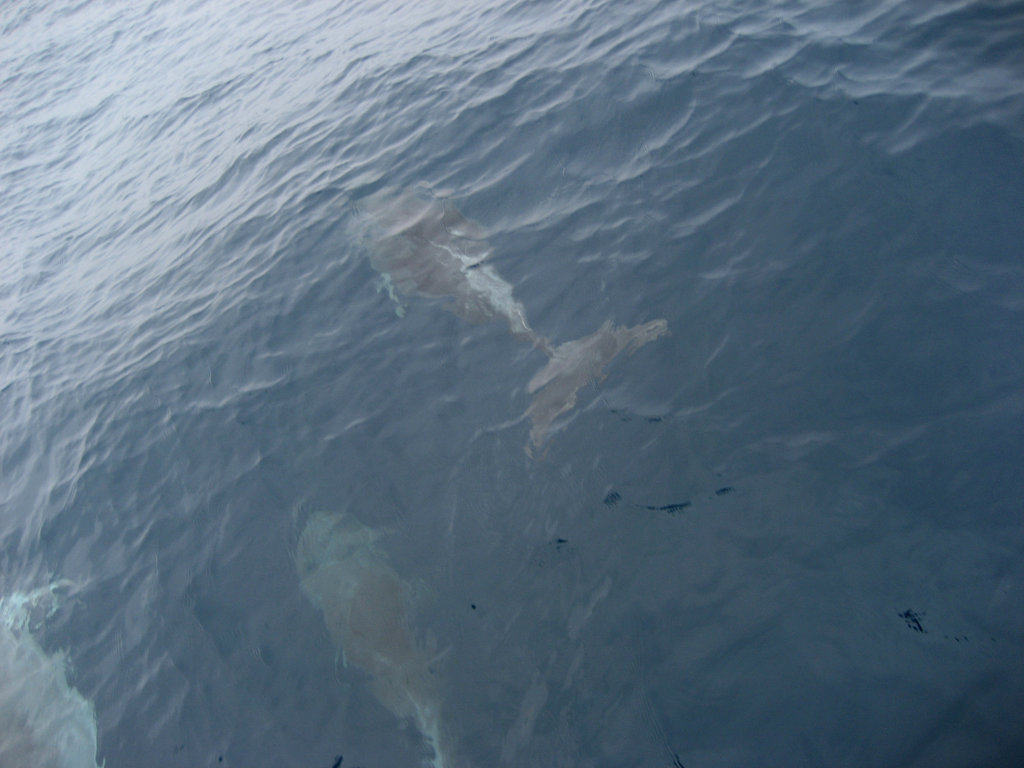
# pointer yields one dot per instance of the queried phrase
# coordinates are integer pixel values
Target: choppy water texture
(787, 532)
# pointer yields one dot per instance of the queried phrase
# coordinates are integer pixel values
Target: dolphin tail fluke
(539, 342)
(575, 364)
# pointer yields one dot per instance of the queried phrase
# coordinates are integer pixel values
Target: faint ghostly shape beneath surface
(521, 732)
(366, 608)
(425, 246)
(44, 722)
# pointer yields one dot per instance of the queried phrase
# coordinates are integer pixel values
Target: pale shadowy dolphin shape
(44, 721)
(366, 608)
(425, 246)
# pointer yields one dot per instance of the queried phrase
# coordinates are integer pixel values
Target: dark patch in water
(555, 551)
(670, 508)
(627, 416)
(913, 619)
(612, 498)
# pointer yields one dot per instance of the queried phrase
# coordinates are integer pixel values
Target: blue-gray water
(789, 533)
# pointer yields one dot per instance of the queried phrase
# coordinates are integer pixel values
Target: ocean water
(787, 533)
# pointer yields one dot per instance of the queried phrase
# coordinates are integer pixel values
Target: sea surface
(789, 532)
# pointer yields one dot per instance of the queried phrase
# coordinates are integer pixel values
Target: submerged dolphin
(425, 246)
(44, 721)
(366, 606)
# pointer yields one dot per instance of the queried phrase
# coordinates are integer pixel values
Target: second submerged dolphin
(366, 608)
